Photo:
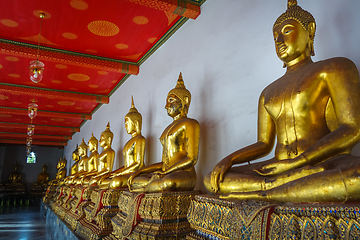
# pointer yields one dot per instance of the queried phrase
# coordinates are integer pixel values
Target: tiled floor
(22, 222)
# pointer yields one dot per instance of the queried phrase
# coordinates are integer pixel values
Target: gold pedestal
(49, 194)
(81, 200)
(58, 198)
(97, 221)
(152, 215)
(64, 204)
(213, 218)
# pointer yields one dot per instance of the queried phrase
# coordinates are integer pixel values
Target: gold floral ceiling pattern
(89, 49)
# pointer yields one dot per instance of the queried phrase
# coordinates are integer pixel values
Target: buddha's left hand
(281, 166)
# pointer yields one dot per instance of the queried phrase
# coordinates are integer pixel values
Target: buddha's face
(129, 125)
(92, 146)
(173, 105)
(291, 40)
(82, 151)
(103, 141)
(74, 156)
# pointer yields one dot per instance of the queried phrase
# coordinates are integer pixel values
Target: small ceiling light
(28, 150)
(32, 109)
(36, 71)
(29, 141)
(36, 68)
(30, 130)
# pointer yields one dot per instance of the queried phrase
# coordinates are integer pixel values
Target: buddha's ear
(186, 101)
(311, 30)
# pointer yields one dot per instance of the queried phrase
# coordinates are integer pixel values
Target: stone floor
(22, 223)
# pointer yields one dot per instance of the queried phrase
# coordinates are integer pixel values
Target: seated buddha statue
(74, 168)
(313, 110)
(106, 158)
(133, 152)
(43, 177)
(92, 162)
(75, 156)
(61, 168)
(82, 165)
(15, 177)
(61, 172)
(180, 141)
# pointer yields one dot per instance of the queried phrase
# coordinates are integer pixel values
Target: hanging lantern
(32, 109)
(28, 141)
(36, 71)
(30, 130)
(28, 150)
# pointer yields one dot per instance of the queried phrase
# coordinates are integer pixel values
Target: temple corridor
(22, 223)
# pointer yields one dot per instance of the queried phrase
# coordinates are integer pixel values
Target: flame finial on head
(93, 139)
(297, 13)
(133, 108)
(291, 3)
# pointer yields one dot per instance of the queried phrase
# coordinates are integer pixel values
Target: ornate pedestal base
(58, 198)
(76, 212)
(63, 205)
(213, 218)
(152, 215)
(49, 194)
(98, 214)
(315, 221)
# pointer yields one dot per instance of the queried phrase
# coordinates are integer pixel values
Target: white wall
(227, 56)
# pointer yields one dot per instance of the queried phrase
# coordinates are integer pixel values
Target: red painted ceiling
(89, 49)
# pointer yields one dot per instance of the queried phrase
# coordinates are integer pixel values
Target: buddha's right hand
(217, 175)
(131, 178)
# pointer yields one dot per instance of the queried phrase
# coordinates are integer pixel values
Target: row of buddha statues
(14, 190)
(180, 142)
(312, 113)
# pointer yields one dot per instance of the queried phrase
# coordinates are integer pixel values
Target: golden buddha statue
(61, 167)
(43, 177)
(75, 156)
(106, 158)
(82, 164)
(180, 141)
(133, 151)
(92, 162)
(15, 177)
(313, 110)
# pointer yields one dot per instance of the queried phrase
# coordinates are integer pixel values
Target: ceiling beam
(42, 92)
(39, 127)
(23, 142)
(41, 113)
(179, 7)
(27, 50)
(7, 135)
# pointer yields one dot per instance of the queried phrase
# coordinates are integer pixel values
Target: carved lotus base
(213, 218)
(81, 200)
(49, 194)
(152, 215)
(98, 214)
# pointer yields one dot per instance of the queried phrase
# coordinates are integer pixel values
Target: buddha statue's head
(75, 154)
(294, 33)
(44, 167)
(16, 168)
(93, 143)
(106, 137)
(133, 120)
(178, 100)
(62, 162)
(82, 149)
